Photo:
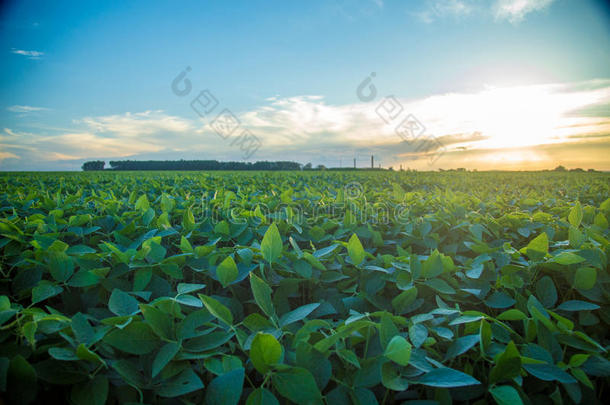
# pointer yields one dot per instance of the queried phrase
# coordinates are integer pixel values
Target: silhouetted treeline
(192, 165)
(95, 165)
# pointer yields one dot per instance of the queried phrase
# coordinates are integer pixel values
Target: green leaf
(508, 365)
(122, 304)
(262, 294)
(83, 353)
(446, 378)
(136, 338)
(432, 266)
(297, 385)
(184, 383)
(207, 341)
(402, 301)
(461, 345)
(188, 220)
(61, 266)
(549, 372)
(167, 203)
(261, 396)
(485, 336)
(29, 330)
(164, 356)
(585, 278)
(217, 309)
(185, 245)
(567, 258)
(391, 379)
(297, 314)
(355, 250)
(185, 288)
(142, 204)
(90, 392)
(576, 237)
(265, 351)
(315, 362)
(538, 247)
(84, 278)
(398, 350)
(440, 285)
(227, 271)
(222, 228)
(546, 291)
(82, 330)
(62, 354)
(226, 388)
(506, 395)
(271, 246)
(600, 221)
(576, 214)
(129, 372)
(577, 305)
(387, 329)
(418, 334)
(45, 290)
(159, 321)
(79, 250)
(512, 315)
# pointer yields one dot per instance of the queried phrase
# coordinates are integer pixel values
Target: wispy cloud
(29, 54)
(436, 9)
(515, 10)
(24, 109)
(137, 124)
(7, 155)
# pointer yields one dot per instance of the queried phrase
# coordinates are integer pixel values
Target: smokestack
(372, 162)
(354, 163)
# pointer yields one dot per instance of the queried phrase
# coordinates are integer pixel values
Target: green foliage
(449, 287)
(271, 246)
(398, 350)
(265, 351)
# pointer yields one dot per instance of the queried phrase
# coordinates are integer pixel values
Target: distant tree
(391, 168)
(321, 167)
(94, 165)
(578, 169)
(591, 170)
(201, 165)
(307, 166)
(560, 168)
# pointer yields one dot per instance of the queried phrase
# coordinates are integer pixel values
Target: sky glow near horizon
(498, 84)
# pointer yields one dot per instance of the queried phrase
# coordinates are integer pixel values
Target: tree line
(190, 165)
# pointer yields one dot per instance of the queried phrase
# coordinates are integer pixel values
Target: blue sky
(495, 83)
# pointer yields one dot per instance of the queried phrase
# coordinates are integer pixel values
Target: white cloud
(7, 155)
(84, 144)
(29, 54)
(137, 124)
(436, 9)
(515, 10)
(24, 109)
